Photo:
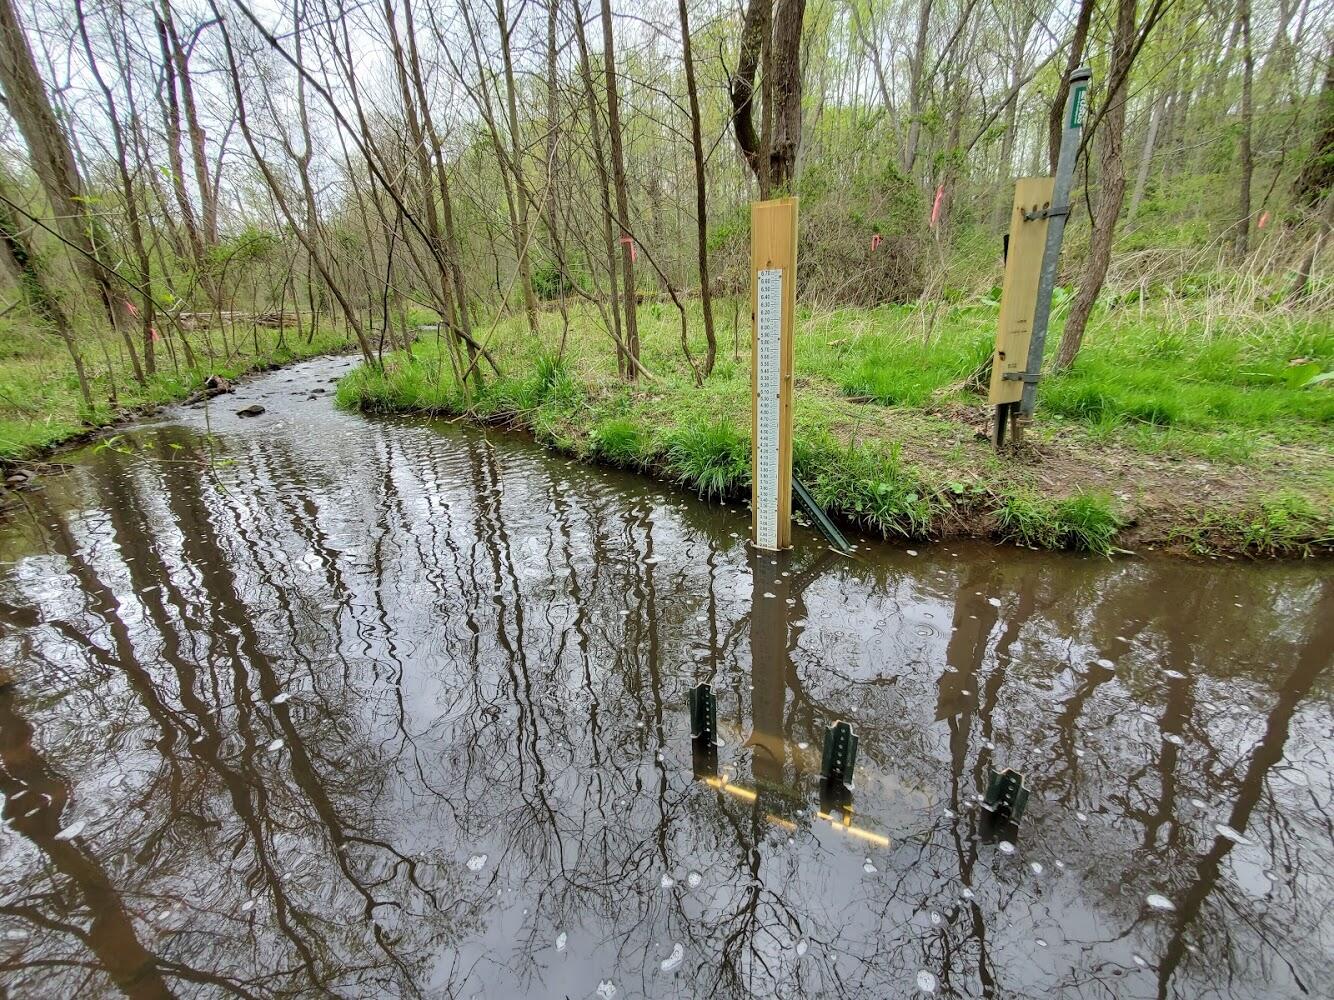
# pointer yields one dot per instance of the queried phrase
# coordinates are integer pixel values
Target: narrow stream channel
(382, 708)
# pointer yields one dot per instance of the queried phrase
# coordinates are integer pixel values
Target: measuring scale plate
(768, 373)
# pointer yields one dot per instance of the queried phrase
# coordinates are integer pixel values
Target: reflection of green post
(840, 754)
(1076, 109)
(703, 714)
(1006, 795)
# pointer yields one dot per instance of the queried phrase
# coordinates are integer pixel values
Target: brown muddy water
(379, 708)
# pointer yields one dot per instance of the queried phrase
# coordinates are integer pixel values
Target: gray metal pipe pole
(1076, 105)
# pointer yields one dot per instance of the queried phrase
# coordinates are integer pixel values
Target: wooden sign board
(773, 303)
(1019, 293)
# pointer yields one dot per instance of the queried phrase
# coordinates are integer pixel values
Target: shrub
(621, 442)
(1084, 522)
(868, 485)
(713, 457)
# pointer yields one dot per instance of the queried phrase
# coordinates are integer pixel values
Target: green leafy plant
(712, 457)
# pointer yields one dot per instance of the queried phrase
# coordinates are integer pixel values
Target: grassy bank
(1174, 430)
(40, 405)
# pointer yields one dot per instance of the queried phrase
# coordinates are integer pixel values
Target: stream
(310, 703)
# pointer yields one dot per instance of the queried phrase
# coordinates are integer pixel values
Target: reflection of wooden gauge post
(769, 665)
(773, 262)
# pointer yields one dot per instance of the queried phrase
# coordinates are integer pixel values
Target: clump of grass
(870, 486)
(554, 383)
(1285, 524)
(406, 385)
(622, 442)
(1084, 522)
(713, 457)
(1087, 522)
(1025, 519)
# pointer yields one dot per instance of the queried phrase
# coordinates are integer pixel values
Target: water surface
(309, 704)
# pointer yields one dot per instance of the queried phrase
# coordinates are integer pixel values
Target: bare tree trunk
(622, 195)
(208, 195)
(564, 281)
(516, 167)
(454, 249)
(916, 88)
(1242, 236)
(37, 292)
(701, 194)
(133, 216)
(53, 161)
(1112, 181)
(623, 364)
(786, 64)
(741, 87)
(1146, 157)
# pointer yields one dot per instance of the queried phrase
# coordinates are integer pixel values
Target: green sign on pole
(1078, 106)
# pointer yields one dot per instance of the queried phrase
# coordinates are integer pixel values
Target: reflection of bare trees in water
(482, 658)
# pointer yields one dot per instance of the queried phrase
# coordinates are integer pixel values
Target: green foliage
(907, 373)
(1285, 524)
(1084, 522)
(622, 442)
(550, 281)
(713, 458)
(250, 245)
(870, 486)
(554, 383)
(1142, 374)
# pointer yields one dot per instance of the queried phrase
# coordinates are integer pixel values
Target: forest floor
(1178, 428)
(40, 405)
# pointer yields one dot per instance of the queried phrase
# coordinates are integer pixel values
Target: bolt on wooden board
(773, 302)
(1023, 264)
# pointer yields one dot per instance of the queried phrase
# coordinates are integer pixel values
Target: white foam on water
(1228, 832)
(71, 831)
(673, 961)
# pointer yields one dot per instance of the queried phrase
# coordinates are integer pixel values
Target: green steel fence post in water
(1076, 109)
